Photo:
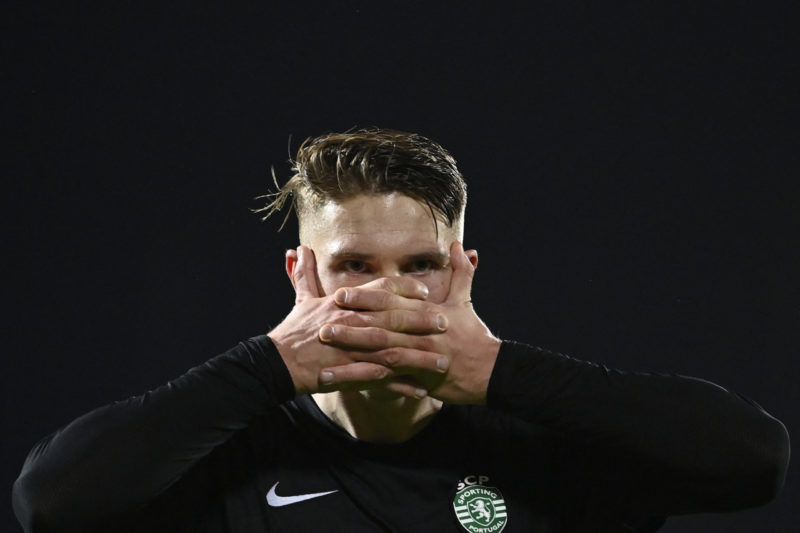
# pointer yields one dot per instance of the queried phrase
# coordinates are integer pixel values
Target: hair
(340, 166)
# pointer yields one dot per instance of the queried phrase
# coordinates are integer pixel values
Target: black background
(631, 175)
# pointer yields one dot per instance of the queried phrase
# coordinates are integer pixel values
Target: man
(383, 403)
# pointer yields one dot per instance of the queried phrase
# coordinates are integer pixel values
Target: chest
(443, 483)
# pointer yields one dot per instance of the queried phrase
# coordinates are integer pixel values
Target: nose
(395, 272)
(387, 272)
(390, 273)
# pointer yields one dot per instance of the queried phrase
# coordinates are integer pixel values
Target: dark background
(631, 176)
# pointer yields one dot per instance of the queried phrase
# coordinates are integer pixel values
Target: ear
(472, 255)
(291, 263)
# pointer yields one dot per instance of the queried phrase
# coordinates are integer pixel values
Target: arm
(689, 445)
(115, 459)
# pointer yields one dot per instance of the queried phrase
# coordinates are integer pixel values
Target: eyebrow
(435, 256)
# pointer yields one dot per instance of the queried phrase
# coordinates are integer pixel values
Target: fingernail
(443, 363)
(420, 393)
(326, 333)
(441, 322)
(325, 376)
(341, 296)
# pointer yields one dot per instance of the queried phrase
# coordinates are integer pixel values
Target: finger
(384, 289)
(374, 299)
(364, 376)
(407, 390)
(304, 275)
(401, 286)
(463, 274)
(405, 360)
(401, 320)
(373, 339)
(359, 375)
(406, 386)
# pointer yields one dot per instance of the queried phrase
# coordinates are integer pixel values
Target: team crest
(480, 509)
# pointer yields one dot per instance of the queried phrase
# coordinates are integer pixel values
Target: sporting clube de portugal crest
(480, 508)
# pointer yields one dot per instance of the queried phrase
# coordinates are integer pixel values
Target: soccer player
(383, 403)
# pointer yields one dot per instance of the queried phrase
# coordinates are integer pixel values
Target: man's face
(373, 236)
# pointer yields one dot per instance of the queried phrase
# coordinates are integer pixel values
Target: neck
(378, 416)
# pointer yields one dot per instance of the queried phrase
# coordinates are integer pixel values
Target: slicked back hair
(340, 166)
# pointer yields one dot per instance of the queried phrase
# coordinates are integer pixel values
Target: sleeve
(141, 446)
(675, 444)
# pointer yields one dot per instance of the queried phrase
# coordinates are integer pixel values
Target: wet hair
(340, 166)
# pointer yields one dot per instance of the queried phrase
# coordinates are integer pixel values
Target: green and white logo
(480, 509)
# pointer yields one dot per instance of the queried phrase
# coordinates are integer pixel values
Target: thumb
(304, 275)
(463, 273)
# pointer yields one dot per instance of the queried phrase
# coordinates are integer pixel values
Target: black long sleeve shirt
(562, 445)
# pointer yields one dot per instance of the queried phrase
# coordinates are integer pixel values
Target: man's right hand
(297, 337)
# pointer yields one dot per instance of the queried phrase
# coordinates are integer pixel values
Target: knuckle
(396, 320)
(379, 372)
(391, 357)
(385, 299)
(365, 319)
(356, 319)
(378, 336)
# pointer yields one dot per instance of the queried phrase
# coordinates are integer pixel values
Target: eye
(421, 266)
(356, 267)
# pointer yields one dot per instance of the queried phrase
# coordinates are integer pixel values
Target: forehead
(376, 224)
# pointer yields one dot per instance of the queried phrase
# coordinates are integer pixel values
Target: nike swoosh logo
(279, 501)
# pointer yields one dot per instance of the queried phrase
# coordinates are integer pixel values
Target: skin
(383, 318)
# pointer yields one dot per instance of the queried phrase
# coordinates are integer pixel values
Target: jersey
(561, 446)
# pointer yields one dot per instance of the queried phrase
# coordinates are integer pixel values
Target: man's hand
(469, 346)
(298, 337)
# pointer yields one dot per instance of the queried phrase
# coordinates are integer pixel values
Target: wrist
(488, 357)
(274, 372)
(289, 359)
